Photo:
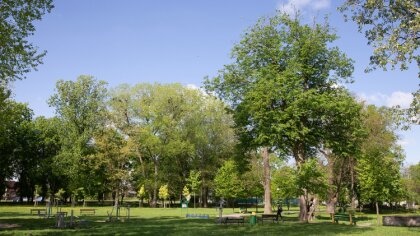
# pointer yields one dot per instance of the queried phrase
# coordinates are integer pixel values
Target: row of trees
(111, 141)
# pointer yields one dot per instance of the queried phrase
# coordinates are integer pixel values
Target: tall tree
(17, 55)
(379, 164)
(112, 159)
(282, 89)
(81, 107)
(16, 139)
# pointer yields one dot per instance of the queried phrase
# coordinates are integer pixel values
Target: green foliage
(186, 192)
(80, 105)
(227, 181)
(194, 180)
(311, 178)
(172, 130)
(282, 86)
(17, 55)
(391, 27)
(252, 177)
(379, 165)
(164, 192)
(110, 161)
(283, 183)
(411, 182)
(141, 193)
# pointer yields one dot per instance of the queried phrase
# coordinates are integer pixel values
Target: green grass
(147, 221)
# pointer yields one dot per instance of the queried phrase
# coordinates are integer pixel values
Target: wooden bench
(87, 211)
(232, 220)
(344, 217)
(269, 217)
(40, 212)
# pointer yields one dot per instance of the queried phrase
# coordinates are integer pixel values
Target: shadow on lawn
(180, 226)
(16, 214)
(359, 218)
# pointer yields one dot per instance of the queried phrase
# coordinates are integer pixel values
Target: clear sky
(130, 41)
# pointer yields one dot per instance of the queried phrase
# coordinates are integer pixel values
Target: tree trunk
(377, 213)
(267, 181)
(116, 198)
(303, 208)
(298, 154)
(353, 192)
(205, 195)
(155, 185)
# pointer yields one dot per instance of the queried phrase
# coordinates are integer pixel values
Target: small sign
(184, 205)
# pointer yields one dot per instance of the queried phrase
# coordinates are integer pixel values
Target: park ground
(17, 220)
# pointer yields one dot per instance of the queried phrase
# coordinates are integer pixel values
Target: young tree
(141, 194)
(194, 182)
(284, 185)
(227, 181)
(186, 193)
(17, 55)
(164, 193)
(282, 89)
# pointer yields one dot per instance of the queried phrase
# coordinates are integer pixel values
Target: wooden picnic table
(39, 211)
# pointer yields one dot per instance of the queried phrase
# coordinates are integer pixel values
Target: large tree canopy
(283, 89)
(17, 55)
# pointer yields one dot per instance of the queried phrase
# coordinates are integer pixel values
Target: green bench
(344, 217)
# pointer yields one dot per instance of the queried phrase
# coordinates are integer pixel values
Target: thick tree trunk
(298, 154)
(377, 213)
(267, 181)
(303, 209)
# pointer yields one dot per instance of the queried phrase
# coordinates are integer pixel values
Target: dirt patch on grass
(9, 226)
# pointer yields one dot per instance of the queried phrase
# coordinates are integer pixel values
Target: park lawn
(147, 221)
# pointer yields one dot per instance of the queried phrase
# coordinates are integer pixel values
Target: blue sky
(183, 41)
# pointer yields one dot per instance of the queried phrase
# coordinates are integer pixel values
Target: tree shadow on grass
(358, 218)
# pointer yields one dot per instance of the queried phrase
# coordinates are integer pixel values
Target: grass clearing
(172, 221)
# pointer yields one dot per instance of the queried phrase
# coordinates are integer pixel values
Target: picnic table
(39, 211)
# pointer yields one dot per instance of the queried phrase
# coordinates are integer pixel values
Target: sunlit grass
(172, 221)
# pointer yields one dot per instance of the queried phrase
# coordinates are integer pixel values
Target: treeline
(104, 141)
